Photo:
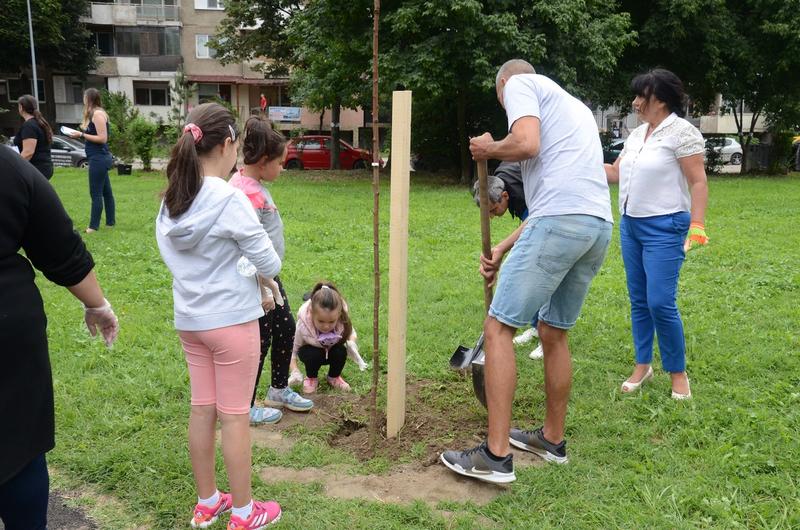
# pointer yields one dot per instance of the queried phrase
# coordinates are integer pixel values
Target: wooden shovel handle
(486, 240)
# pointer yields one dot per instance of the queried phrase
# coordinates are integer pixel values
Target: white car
(729, 148)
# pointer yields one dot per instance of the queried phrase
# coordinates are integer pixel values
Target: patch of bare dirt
(407, 483)
(435, 421)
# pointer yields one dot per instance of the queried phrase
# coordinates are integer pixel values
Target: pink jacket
(306, 333)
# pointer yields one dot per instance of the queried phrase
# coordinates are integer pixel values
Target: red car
(314, 152)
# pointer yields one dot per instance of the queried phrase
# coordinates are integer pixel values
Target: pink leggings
(222, 365)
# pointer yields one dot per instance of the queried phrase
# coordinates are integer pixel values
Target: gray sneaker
(476, 463)
(264, 416)
(535, 442)
(286, 397)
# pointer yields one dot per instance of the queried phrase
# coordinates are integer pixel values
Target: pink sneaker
(310, 385)
(339, 383)
(205, 516)
(263, 514)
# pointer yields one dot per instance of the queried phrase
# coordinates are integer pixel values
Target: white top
(568, 176)
(651, 181)
(201, 248)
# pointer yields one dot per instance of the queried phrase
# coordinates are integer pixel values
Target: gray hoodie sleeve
(239, 221)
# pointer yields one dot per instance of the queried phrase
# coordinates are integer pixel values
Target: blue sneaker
(264, 415)
(286, 397)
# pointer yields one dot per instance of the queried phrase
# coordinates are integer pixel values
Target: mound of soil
(438, 416)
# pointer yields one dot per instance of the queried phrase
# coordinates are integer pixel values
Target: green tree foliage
(448, 52)
(256, 30)
(324, 45)
(60, 38)
(121, 113)
(142, 133)
(332, 51)
(746, 50)
(181, 91)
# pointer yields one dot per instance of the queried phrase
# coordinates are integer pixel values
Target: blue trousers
(652, 250)
(23, 499)
(100, 191)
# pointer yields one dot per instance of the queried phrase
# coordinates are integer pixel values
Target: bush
(714, 161)
(121, 113)
(780, 153)
(143, 137)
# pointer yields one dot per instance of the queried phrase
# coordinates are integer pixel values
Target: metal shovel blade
(463, 356)
(477, 377)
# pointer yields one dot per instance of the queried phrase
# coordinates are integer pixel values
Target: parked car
(612, 150)
(729, 148)
(65, 151)
(314, 152)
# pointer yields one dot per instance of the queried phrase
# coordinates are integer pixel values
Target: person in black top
(505, 192)
(35, 136)
(33, 219)
(95, 129)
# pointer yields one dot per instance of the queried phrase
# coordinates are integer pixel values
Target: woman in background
(35, 136)
(95, 130)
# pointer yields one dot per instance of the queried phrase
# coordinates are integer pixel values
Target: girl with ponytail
(203, 228)
(35, 136)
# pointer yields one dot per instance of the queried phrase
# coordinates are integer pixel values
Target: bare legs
(501, 380)
(236, 451)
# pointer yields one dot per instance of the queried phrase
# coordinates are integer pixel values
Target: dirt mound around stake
(433, 422)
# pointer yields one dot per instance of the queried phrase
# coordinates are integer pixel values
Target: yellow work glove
(697, 236)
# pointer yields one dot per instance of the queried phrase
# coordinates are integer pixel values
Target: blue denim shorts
(547, 274)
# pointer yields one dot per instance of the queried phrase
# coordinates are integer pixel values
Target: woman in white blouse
(662, 196)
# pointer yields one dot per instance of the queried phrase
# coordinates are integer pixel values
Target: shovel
(463, 357)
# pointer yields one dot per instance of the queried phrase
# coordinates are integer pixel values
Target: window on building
(128, 41)
(202, 49)
(172, 41)
(104, 42)
(151, 94)
(208, 4)
(76, 91)
(211, 91)
(17, 88)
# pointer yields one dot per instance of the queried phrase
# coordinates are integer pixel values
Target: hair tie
(325, 287)
(197, 134)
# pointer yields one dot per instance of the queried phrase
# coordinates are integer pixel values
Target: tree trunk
(463, 141)
(374, 428)
(321, 119)
(738, 118)
(336, 110)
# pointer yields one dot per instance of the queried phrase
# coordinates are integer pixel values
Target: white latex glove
(272, 286)
(102, 317)
(267, 299)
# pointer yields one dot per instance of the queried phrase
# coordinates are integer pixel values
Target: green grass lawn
(729, 458)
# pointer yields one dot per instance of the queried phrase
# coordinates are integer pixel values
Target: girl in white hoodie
(203, 228)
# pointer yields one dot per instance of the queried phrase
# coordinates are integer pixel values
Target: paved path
(62, 517)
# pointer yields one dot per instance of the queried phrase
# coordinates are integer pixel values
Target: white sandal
(628, 387)
(680, 397)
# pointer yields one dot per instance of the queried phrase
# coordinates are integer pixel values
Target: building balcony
(144, 65)
(123, 13)
(159, 63)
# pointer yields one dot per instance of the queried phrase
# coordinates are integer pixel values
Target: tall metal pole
(375, 229)
(33, 54)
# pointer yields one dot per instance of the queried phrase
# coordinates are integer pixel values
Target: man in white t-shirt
(554, 256)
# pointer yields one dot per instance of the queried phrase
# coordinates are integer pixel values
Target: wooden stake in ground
(486, 240)
(398, 262)
(376, 156)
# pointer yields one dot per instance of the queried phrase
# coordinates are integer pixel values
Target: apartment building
(240, 84)
(141, 44)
